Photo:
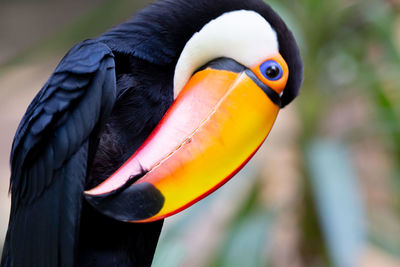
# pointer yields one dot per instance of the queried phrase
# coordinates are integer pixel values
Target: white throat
(242, 35)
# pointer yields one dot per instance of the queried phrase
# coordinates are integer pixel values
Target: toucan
(142, 122)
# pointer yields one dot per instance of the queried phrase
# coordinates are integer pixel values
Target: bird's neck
(119, 244)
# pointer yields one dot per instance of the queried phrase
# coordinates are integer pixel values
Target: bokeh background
(324, 190)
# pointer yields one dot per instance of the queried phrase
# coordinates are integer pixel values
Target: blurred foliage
(99, 19)
(348, 149)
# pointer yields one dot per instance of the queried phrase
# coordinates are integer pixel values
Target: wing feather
(49, 157)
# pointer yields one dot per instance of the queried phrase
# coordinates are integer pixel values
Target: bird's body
(100, 105)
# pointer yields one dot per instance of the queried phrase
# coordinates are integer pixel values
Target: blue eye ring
(271, 70)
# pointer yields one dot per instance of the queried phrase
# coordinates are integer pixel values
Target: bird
(140, 123)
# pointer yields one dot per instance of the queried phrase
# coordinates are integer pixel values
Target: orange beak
(210, 132)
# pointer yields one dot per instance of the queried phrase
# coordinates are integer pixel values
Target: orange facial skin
(213, 128)
(279, 85)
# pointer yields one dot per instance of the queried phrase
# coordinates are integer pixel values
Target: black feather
(49, 158)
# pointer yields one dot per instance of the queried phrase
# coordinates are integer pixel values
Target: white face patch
(243, 35)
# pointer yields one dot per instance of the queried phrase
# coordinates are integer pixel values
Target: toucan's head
(235, 65)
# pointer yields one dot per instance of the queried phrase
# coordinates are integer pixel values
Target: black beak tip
(134, 203)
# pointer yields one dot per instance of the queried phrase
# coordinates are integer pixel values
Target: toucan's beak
(213, 128)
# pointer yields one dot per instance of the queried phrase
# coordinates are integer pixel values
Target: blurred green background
(324, 190)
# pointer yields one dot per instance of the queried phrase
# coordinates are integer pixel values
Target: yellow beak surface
(213, 128)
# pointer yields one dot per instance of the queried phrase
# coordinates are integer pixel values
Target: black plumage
(100, 104)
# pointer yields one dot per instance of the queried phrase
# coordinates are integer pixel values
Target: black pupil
(272, 72)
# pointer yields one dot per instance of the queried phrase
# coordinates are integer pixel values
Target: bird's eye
(271, 70)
